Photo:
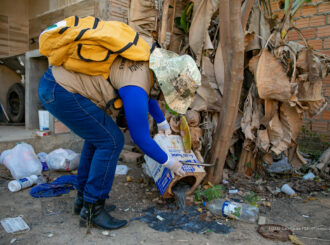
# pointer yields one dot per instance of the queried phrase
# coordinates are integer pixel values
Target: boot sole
(83, 223)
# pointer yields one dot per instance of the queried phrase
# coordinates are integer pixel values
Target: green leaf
(185, 17)
(178, 23)
(170, 110)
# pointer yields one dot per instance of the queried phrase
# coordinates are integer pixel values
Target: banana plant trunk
(232, 46)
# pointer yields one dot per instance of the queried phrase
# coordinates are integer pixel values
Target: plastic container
(239, 211)
(62, 160)
(308, 176)
(43, 160)
(288, 190)
(21, 161)
(16, 185)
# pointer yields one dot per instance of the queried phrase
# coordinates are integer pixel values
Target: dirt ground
(52, 222)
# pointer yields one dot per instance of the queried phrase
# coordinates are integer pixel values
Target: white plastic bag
(63, 160)
(21, 161)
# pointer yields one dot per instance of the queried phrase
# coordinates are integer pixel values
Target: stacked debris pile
(282, 79)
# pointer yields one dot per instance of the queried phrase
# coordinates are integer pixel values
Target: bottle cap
(14, 185)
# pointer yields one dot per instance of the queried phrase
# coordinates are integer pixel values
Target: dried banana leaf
(199, 26)
(272, 81)
(220, 69)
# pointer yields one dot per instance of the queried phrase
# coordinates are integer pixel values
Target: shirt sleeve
(135, 101)
(155, 111)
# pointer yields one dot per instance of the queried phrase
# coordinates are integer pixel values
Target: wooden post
(232, 45)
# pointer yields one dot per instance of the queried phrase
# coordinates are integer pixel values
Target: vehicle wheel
(16, 103)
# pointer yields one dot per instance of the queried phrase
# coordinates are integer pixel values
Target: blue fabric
(103, 139)
(61, 185)
(136, 107)
(155, 111)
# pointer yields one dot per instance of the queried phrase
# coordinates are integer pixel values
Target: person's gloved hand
(164, 127)
(174, 166)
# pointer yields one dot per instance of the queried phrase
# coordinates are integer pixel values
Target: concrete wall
(14, 27)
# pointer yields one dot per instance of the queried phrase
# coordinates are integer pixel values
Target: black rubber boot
(94, 214)
(79, 201)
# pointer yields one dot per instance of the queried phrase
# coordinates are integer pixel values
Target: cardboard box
(164, 178)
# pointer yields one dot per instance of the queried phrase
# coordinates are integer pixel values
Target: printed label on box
(173, 146)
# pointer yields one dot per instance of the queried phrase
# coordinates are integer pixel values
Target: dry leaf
(193, 118)
(272, 81)
(295, 240)
(220, 71)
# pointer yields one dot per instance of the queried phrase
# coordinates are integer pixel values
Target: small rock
(148, 193)
(105, 233)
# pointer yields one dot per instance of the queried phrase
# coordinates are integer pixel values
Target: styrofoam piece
(121, 170)
(12, 225)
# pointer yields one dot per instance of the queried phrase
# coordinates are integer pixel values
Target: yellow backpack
(89, 45)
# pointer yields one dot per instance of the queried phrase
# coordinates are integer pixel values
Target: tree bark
(232, 45)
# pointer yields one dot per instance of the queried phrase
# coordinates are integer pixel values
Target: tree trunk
(232, 45)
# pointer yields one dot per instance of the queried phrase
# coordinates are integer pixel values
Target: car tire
(16, 103)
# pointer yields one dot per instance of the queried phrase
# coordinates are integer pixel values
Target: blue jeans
(103, 139)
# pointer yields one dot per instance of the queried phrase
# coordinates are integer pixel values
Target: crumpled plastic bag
(21, 161)
(62, 160)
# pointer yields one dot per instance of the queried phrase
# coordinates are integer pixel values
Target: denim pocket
(47, 88)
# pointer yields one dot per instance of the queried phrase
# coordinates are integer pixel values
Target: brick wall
(313, 19)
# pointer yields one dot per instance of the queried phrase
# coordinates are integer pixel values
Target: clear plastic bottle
(234, 210)
(16, 185)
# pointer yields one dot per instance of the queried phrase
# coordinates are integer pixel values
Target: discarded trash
(43, 158)
(12, 225)
(121, 170)
(164, 177)
(43, 133)
(233, 191)
(308, 176)
(21, 161)
(50, 235)
(62, 159)
(305, 216)
(58, 187)
(160, 218)
(189, 219)
(262, 220)
(16, 185)
(129, 178)
(288, 190)
(43, 120)
(13, 240)
(281, 166)
(225, 182)
(275, 232)
(234, 210)
(105, 233)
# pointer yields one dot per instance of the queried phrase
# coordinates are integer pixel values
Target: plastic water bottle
(16, 185)
(234, 210)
